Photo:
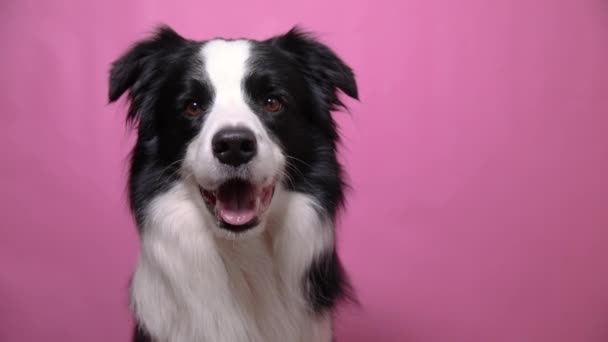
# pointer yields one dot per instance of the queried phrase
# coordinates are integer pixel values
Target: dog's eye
(272, 104)
(193, 109)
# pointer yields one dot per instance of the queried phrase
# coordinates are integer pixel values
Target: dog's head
(235, 117)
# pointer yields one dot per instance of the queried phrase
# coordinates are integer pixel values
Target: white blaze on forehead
(226, 67)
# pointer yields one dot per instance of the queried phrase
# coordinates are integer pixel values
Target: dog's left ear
(138, 68)
(320, 64)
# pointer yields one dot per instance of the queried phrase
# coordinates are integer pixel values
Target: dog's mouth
(238, 204)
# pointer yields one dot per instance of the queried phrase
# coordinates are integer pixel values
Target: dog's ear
(319, 63)
(136, 68)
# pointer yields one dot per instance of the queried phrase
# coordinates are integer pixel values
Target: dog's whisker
(302, 176)
(298, 160)
(170, 166)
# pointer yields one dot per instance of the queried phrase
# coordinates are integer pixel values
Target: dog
(234, 185)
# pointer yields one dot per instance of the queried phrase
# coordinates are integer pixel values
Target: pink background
(478, 156)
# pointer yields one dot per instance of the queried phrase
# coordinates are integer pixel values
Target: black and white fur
(196, 280)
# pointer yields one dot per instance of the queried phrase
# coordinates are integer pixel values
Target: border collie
(234, 185)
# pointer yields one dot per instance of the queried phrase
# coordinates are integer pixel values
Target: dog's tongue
(236, 203)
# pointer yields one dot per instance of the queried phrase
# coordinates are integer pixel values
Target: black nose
(234, 146)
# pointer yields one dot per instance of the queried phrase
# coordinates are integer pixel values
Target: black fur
(312, 73)
(140, 335)
(327, 282)
(162, 73)
(157, 73)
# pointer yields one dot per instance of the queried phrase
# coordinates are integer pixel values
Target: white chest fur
(191, 285)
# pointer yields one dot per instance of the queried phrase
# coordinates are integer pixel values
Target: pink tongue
(236, 205)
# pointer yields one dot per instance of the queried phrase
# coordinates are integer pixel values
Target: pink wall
(478, 155)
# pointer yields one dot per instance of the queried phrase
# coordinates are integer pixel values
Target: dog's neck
(256, 285)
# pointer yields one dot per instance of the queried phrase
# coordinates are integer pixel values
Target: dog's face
(237, 118)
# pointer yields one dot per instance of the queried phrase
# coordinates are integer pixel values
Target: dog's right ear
(320, 64)
(134, 70)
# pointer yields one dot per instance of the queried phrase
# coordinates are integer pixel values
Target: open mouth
(237, 204)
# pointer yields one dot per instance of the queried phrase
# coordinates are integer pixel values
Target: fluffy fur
(199, 279)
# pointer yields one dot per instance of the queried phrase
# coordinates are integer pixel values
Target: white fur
(226, 65)
(191, 285)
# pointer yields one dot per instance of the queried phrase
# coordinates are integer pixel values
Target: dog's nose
(234, 146)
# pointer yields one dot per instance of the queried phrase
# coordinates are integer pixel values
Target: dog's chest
(191, 285)
(239, 293)
(273, 299)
